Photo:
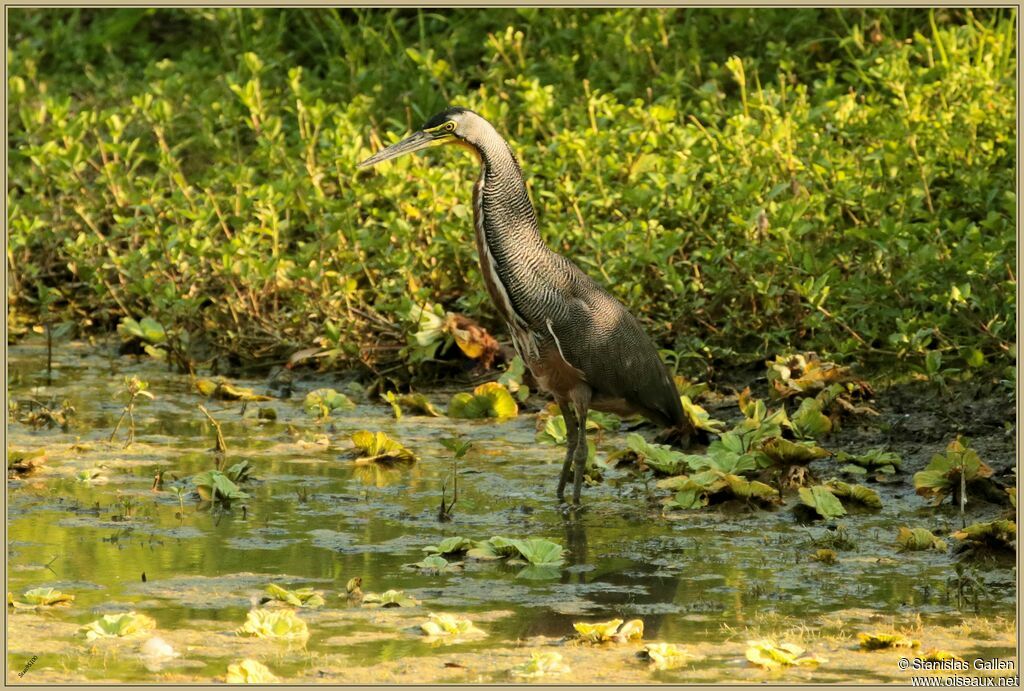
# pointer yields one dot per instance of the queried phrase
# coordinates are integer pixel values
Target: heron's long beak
(414, 142)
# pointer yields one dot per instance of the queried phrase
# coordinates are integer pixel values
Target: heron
(579, 342)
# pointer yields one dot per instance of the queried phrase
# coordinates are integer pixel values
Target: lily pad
(822, 501)
(784, 452)
(659, 457)
(213, 485)
(435, 563)
(918, 539)
(118, 626)
(610, 631)
(540, 665)
(540, 552)
(47, 597)
(942, 475)
(698, 490)
(876, 460)
(379, 447)
(390, 598)
(323, 402)
(999, 534)
(699, 418)
(281, 624)
(450, 545)
(666, 656)
(771, 655)
(301, 597)
(226, 391)
(250, 671)
(490, 400)
(855, 493)
(809, 422)
(418, 403)
(449, 626)
(882, 641)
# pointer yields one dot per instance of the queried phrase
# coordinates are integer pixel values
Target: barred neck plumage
(512, 254)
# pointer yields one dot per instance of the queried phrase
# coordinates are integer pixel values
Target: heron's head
(450, 126)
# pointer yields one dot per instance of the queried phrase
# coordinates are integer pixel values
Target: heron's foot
(571, 509)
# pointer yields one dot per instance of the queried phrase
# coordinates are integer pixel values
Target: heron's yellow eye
(449, 126)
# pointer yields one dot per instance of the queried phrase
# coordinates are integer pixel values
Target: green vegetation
(743, 179)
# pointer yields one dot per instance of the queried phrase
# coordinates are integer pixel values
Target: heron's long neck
(510, 247)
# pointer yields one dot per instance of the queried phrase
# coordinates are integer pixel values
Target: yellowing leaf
(539, 665)
(487, 400)
(449, 625)
(280, 624)
(302, 597)
(699, 417)
(917, 539)
(784, 452)
(942, 475)
(821, 499)
(856, 493)
(323, 402)
(614, 630)
(379, 447)
(47, 597)
(771, 655)
(250, 671)
(1000, 534)
(390, 598)
(666, 655)
(117, 626)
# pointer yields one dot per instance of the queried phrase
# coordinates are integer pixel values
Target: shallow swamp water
(707, 580)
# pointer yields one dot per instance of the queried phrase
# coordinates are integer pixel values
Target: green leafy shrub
(840, 177)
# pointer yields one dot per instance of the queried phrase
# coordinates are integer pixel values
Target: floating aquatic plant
(772, 656)
(250, 671)
(118, 626)
(666, 656)
(822, 501)
(416, 402)
(858, 494)
(377, 447)
(918, 539)
(700, 489)
(998, 534)
(449, 626)
(614, 631)
(876, 460)
(390, 598)
(541, 664)
(301, 597)
(489, 400)
(226, 391)
(947, 472)
(213, 485)
(47, 597)
(323, 402)
(437, 564)
(281, 624)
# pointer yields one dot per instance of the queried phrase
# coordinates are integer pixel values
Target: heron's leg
(571, 437)
(580, 454)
